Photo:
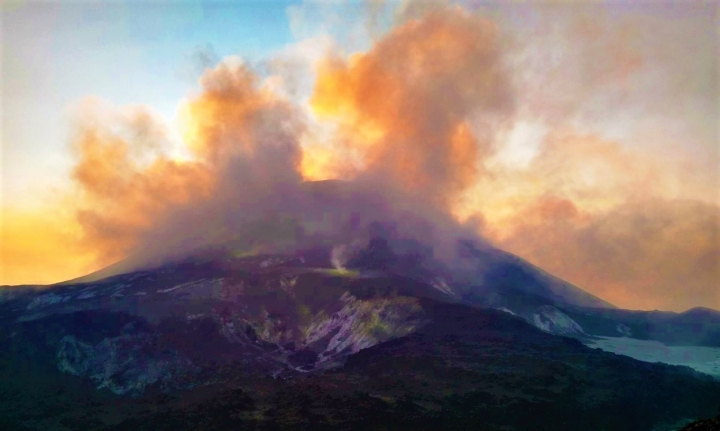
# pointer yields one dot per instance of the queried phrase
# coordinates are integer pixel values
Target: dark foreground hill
(467, 368)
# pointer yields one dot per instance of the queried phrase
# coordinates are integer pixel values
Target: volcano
(386, 337)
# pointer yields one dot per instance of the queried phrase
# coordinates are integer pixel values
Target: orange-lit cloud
(130, 190)
(125, 182)
(404, 105)
(320, 162)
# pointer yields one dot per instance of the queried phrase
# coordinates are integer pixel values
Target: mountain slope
(497, 270)
(464, 367)
(288, 341)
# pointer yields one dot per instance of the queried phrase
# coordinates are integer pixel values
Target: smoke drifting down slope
(415, 126)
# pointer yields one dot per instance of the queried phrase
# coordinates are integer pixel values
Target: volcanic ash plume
(403, 109)
(135, 199)
(408, 107)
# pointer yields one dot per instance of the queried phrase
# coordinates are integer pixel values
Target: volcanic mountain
(385, 338)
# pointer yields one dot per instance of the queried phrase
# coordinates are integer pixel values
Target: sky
(582, 136)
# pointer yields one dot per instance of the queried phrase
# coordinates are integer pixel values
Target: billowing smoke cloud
(613, 182)
(444, 118)
(401, 109)
(127, 186)
(404, 108)
(243, 150)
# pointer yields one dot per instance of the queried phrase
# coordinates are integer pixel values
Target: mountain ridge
(390, 336)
